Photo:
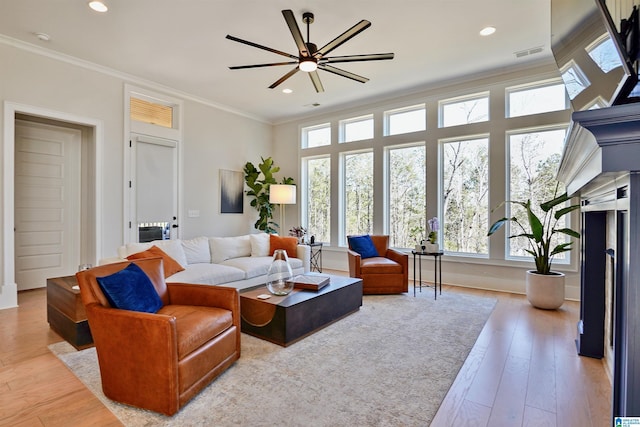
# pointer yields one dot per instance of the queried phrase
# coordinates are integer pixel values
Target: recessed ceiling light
(487, 31)
(287, 90)
(98, 6)
(43, 37)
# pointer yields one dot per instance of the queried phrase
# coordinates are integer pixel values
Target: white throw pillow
(260, 244)
(173, 248)
(197, 250)
(223, 248)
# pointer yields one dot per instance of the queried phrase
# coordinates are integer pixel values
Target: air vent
(528, 52)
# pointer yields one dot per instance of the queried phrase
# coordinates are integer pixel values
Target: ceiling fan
(309, 58)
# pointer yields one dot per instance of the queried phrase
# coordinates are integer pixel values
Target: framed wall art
(231, 191)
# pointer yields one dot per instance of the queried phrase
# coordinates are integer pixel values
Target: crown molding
(128, 78)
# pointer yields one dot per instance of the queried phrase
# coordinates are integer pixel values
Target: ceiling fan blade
(351, 32)
(283, 78)
(295, 32)
(343, 73)
(315, 79)
(356, 58)
(259, 46)
(242, 67)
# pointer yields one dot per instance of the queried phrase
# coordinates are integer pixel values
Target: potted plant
(545, 287)
(299, 233)
(432, 238)
(258, 180)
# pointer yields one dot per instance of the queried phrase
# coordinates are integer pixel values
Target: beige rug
(390, 364)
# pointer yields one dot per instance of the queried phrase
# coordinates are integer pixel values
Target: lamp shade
(282, 194)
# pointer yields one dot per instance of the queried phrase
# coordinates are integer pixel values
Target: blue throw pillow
(363, 245)
(130, 289)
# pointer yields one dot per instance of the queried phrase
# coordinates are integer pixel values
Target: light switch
(194, 213)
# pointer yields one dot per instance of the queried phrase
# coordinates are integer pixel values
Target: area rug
(389, 364)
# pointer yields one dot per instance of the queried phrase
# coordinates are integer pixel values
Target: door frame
(8, 286)
(174, 134)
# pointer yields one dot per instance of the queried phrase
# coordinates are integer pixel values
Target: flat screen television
(598, 59)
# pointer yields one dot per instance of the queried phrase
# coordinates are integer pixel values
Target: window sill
(480, 260)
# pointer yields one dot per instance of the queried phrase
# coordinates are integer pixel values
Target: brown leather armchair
(384, 274)
(159, 361)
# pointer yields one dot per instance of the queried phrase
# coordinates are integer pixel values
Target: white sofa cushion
(252, 266)
(223, 248)
(207, 274)
(260, 244)
(197, 250)
(257, 266)
(173, 248)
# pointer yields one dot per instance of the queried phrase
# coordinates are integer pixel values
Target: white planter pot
(431, 247)
(545, 291)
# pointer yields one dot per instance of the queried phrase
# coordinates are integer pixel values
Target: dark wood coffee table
(287, 319)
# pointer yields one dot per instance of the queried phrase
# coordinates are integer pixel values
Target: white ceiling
(181, 44)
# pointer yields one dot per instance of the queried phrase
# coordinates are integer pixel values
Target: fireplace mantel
(601, 165)
(602, 143)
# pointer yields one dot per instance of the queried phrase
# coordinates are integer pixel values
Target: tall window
(462, 111)
(407, 194)
(534, 158)
(405, 120)
(356, 129)
(464, 189)
(358, 193)
(316, 136)
(318, 198)
(535, 99)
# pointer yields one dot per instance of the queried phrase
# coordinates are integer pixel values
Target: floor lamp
(282, 194)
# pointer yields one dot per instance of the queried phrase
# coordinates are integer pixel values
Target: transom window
(405, 120)
(536, 99)
(574, 79)
(603, 53)
(462, 111)
(150, 112)
(316, 136)
(356, 129)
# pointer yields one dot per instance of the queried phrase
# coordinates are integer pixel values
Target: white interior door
(47, 202)
(155, 188)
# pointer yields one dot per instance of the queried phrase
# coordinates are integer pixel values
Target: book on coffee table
(312, 282)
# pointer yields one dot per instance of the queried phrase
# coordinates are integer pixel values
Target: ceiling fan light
(308, 65)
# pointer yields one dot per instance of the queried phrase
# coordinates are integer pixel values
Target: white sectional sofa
(238, 262)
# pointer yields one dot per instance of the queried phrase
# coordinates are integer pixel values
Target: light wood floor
(523, 371)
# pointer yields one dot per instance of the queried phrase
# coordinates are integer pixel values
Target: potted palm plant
(545, 287)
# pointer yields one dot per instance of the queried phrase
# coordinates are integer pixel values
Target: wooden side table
(65, 312)
(437, 273)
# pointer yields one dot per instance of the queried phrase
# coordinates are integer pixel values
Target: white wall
(213, 139)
